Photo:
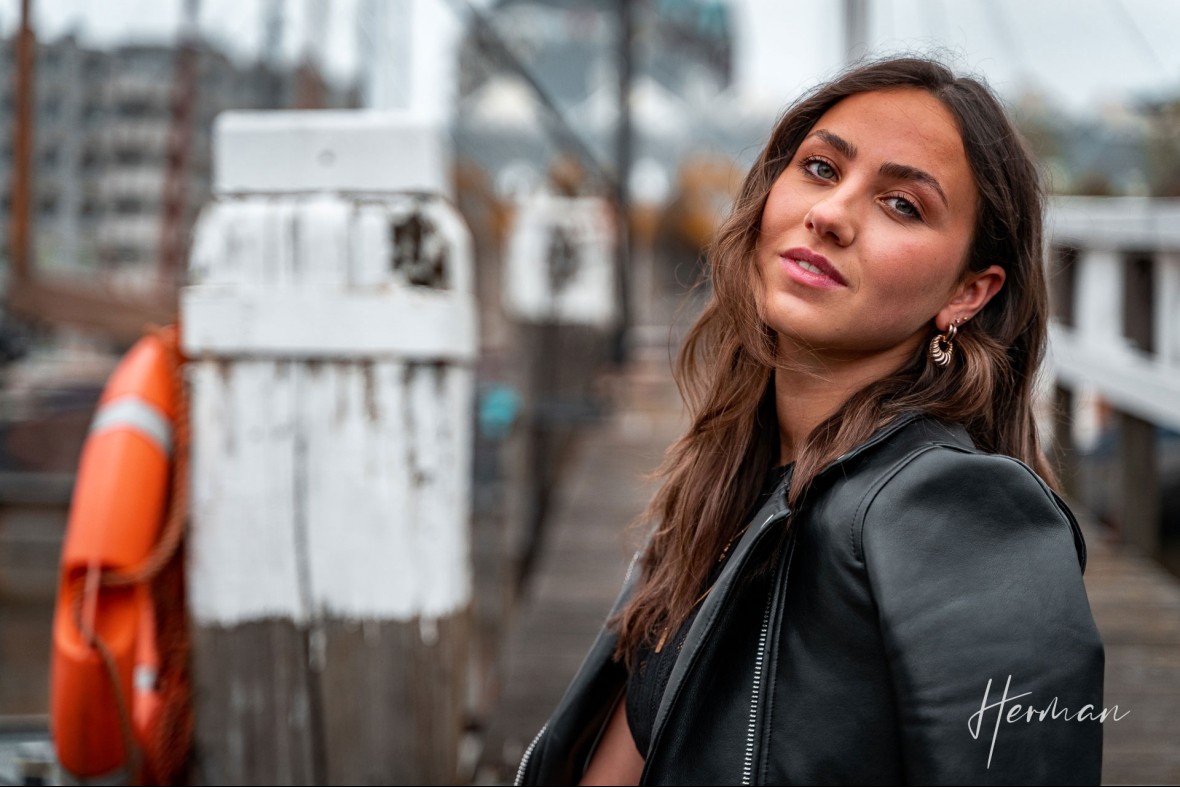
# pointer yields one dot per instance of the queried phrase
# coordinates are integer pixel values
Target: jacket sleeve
(996, 662)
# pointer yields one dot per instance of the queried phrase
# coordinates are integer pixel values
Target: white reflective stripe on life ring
(134, 412)
(144, 677)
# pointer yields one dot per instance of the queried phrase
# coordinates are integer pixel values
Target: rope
(112, 670)
(165, 550)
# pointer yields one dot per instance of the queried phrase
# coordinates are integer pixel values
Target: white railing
(1115, 339)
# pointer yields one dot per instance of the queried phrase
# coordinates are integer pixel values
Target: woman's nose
(831, 218)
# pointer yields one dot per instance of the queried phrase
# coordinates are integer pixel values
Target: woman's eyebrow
(843, 146)
(889, 169)
(906, 172)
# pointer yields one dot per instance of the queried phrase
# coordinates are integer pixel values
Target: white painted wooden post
(560, 261)
(330, 321)
(559, 290)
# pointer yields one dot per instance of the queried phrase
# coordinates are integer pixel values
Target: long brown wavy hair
(713, 475)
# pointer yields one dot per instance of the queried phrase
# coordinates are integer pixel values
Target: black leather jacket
(923, 585)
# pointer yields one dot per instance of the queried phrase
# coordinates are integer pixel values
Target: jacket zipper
(748, 762)
(658, 731)
(524, 761)
(777, 589)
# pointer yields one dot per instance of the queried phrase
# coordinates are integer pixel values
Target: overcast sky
(1081, 52)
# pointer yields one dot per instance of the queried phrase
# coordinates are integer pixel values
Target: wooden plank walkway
(583, 560)
(1135, 602)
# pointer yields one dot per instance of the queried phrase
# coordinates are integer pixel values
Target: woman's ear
(970, 296)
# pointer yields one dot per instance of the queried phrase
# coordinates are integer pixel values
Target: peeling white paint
(331, 413)
(242, 558)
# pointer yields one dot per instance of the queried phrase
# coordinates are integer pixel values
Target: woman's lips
(807, 267)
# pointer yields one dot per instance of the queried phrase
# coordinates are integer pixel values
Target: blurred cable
(1005, 36)
(1132, 26)
(494, 47)
(936, 16)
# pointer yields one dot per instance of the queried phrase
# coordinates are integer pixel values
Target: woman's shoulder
(931, 481)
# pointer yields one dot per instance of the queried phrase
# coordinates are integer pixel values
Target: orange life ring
(103, 696)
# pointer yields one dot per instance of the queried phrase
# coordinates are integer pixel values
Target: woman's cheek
(914, 269)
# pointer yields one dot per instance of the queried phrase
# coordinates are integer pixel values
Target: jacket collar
(878, 437)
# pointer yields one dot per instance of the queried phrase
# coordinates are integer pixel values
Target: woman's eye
(820, 168)
(904, 207)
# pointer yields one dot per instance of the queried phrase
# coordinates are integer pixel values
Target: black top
(645, 686)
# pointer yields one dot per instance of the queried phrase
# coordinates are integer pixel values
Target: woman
(860, 573)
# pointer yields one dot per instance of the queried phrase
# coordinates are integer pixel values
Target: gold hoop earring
(942, 346)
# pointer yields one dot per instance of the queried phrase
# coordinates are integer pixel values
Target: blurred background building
(102, 119)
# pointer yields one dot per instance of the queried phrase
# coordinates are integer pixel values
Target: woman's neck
(807, 394)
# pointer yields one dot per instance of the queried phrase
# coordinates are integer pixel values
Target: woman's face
(865, 234)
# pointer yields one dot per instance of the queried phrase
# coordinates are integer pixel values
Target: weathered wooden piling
(560, 294)
(330, 322)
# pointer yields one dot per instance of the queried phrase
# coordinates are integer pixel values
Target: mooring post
(331, 326)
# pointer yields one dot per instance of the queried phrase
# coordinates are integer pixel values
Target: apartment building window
(138, 108)
(129, 254)
(128, 157)
(128, 207)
